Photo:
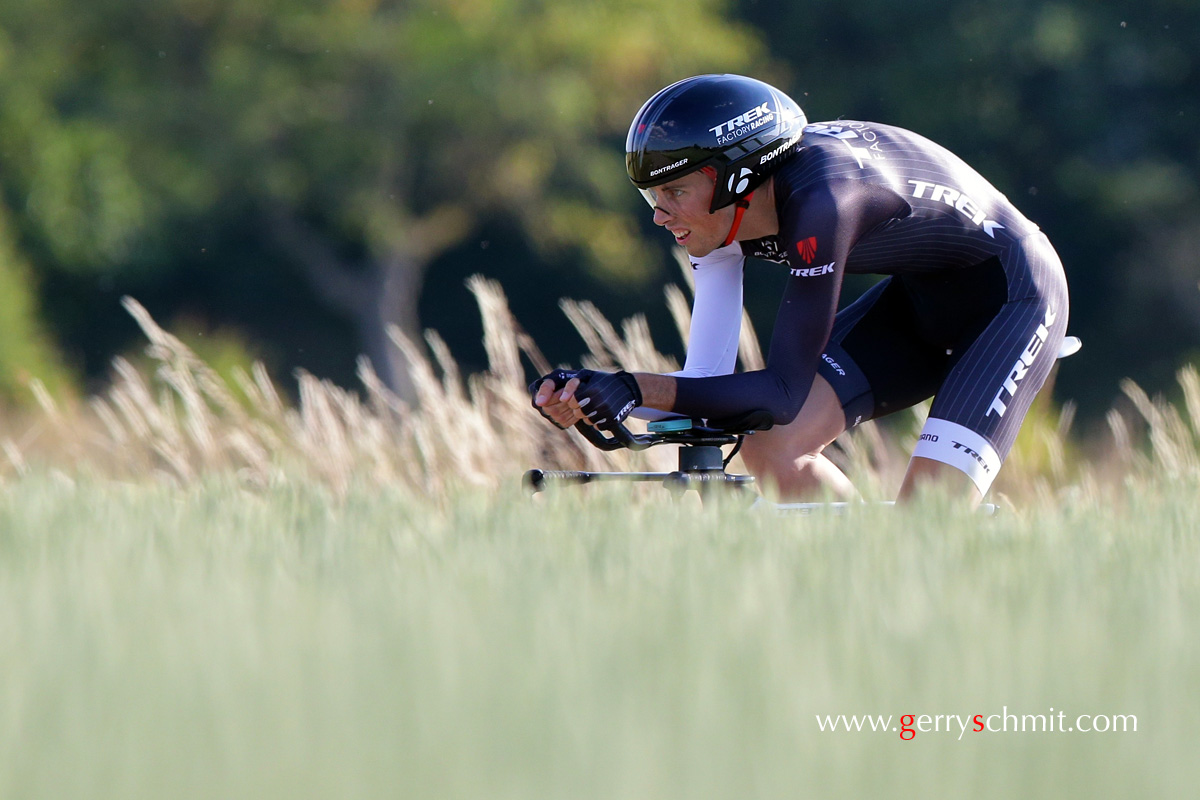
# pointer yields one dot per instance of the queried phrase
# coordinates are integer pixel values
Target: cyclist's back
(946, 215)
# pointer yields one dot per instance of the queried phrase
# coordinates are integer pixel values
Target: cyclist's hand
(606, 398)
(553, 396)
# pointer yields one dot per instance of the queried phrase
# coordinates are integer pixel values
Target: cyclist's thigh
(877, 360)
(980, 406)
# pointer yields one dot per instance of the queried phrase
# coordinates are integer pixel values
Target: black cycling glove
(607, 397)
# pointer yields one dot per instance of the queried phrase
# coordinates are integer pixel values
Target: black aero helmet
(740, 126)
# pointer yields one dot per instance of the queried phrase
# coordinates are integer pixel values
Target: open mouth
(681, 236)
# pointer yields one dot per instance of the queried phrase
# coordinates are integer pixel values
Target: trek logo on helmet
(743, 123)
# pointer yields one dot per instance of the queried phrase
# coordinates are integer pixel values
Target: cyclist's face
(681, 207)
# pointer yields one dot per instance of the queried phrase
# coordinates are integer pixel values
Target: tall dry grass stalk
(183, 421)
(1173, 433)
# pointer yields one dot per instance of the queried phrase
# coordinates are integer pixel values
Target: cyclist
(972, 310)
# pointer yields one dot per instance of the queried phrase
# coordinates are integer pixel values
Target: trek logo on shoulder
(958, 201)
(743, 123)
(812, 272)
(808, 249)
(1017, 373)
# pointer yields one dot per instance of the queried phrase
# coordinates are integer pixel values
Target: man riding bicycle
(972, 311)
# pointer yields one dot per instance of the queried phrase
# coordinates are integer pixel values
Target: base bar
(535, 480)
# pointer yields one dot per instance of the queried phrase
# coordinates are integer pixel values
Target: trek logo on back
(958, 201)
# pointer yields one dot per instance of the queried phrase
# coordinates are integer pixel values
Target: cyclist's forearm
(658, 391)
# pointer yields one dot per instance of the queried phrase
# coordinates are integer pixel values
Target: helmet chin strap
(741, 206)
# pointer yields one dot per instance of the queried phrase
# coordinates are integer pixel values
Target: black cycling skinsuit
(973, 311)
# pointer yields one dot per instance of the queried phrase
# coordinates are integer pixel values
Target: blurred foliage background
(285, 178)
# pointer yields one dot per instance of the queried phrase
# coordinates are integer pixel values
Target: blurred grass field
(208, 590)
(211, 642)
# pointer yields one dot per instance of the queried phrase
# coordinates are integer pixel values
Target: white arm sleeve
(716, 319)
(716, 314)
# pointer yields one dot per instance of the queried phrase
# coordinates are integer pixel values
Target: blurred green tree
(26, 352)
(364, 137)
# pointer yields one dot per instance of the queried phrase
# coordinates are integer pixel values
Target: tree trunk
(393, 300)
(375, 296)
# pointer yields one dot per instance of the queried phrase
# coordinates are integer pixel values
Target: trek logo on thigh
(973, 453)
(1017, 373)
(959, 447)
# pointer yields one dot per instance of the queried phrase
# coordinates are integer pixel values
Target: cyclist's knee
(803, 439)
(762, 452)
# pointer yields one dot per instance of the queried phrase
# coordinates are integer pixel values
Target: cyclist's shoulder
(836, 145)
(844, 150)
(847, 160)
(840, 135)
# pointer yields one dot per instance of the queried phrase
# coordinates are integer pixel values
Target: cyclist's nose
(660, 216)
